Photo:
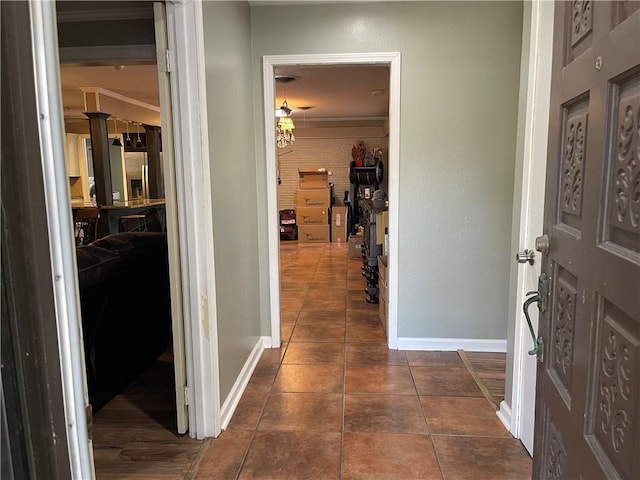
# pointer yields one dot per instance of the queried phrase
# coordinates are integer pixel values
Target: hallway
(334, 403)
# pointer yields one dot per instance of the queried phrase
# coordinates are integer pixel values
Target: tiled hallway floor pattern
(334, 403)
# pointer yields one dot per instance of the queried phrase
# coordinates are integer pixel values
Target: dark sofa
(126, 309)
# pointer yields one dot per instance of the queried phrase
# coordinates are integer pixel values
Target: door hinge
(187, 395)
(165, 63)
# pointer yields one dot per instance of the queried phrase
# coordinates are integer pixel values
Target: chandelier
(285, 132)
(285, 126)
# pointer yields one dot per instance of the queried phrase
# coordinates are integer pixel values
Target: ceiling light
(284, 110)
(138, 141)
(378, 91)
(116, 141)
(284, 132)
(127, 141)
(285, 78)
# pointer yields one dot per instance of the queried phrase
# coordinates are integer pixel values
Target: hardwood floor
(488, 370)
(135, 435)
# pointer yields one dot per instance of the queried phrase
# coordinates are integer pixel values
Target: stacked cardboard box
(310, 179)
(356, 243)
(312, 215)
(312, 206)
(338, 224)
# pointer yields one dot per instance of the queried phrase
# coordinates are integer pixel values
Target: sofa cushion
(126, 308)
(95, 265)
(124, 243)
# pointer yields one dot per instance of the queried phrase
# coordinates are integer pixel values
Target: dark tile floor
(334, 403)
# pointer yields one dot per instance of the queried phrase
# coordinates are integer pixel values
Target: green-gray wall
(227, 36)
(459, 100)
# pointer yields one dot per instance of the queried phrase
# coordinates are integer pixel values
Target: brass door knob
(542, 244)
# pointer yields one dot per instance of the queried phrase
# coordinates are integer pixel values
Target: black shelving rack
(364, 213)
(369, 176)
(372, 247)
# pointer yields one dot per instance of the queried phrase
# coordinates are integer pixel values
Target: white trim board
(504, 414)
(231, 402)
(117, 96)
(193, 199)
(452, 344)
(528, 222)
(269, 62)
(46, 76)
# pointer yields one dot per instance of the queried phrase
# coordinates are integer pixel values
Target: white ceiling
(335, 92)
(139, 82)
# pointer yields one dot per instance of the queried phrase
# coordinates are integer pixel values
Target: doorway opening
(136, 367)
(328, 169)
(284, 65)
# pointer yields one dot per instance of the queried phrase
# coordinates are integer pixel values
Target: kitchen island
(151, 210)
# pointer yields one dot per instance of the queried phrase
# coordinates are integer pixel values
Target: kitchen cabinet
(76, 167)
(71, 141)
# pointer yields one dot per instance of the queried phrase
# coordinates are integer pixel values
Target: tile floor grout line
(264, 407)
(295, 323)
(190, 474)
(255, 428)
(426, 421)
(246, 452)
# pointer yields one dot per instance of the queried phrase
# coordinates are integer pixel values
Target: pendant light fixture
(127, 141)
(284, 132)
(284, 110)
(285, 126)
(138, 141)
(116, 141)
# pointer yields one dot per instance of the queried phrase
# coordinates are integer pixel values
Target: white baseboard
(504, 414)
(231, 402)
(452, 344)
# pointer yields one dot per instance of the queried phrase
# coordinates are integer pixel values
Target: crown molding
(117, 96)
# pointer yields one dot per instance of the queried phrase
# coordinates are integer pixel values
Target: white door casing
(194, 213)
(269, 62)
(197, 269)
(59, 223)
(522, 416)
(193, 200)
(171, 215)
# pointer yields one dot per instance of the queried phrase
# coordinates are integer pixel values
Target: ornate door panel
(588, 394)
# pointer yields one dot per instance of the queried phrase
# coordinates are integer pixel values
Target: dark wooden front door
(588, 407)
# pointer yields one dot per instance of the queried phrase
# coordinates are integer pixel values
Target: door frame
(186, 44)
(269, 63)
(519, 417)
(61, 242)
(171, 220)
(186, 67)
